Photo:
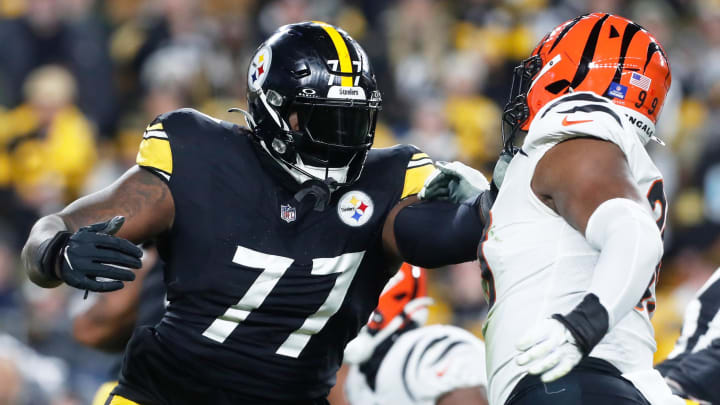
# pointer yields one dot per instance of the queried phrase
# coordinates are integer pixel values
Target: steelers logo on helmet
(355, 208)
(259, 67)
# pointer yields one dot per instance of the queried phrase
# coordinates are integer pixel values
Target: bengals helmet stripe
(342, 51)
(588, 53)
(562, 34)
(630, 31)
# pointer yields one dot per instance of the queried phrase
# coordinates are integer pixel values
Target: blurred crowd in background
(80, 79)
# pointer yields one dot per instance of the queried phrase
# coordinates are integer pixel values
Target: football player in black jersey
(277, 238)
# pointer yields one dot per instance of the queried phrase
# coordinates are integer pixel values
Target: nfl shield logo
(287, 213)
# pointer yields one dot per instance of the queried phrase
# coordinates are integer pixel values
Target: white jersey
(421, 366)
(535, 264)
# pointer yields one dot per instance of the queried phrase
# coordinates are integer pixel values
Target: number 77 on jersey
(273, 269)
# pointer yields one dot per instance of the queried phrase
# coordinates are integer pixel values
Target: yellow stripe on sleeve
(415, 179)
(155, 127)
(419, 156)
(342, 51)
(103, 393)
(155, 153)
(118, 400)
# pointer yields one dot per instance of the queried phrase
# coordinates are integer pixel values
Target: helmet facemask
(323, 139)
(516, 111)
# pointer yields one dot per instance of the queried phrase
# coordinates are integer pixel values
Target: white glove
(548, 349)
(454, 182)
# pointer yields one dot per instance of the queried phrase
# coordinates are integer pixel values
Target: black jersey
(264, 292)
(152, 297)
(151, 305)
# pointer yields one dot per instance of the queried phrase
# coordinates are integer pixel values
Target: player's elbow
(621, 222)
(655, 244)
(643, 236)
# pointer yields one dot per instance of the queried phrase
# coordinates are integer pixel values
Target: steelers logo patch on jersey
(259, 68)
(355, 208)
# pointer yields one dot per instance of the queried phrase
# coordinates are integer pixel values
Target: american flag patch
(636, 79)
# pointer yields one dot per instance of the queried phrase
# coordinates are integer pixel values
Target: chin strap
(321, 190)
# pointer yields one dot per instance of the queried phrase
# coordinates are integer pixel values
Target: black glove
(92, 252)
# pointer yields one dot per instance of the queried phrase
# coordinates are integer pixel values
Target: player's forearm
(434, 234)
(630, 249)
(43, 230)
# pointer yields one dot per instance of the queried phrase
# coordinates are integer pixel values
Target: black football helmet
(313, 102)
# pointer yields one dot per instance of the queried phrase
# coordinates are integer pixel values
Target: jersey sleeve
(419, 168)
(155, 153)
(579, 114)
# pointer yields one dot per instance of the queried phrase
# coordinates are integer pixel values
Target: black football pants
(592, 382)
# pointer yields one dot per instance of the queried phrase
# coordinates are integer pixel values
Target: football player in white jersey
(571, 254)
(396, 360)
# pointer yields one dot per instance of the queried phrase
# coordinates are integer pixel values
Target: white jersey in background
(536, 264)
(421, 365)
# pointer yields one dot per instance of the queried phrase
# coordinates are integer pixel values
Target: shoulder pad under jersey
(416, 165)
(159, 140)
(579, 114)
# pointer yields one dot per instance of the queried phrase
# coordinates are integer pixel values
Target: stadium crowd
(80, 79)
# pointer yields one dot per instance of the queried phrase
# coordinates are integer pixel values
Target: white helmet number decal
(334, 65)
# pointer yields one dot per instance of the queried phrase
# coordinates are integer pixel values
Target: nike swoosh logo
(444, 370)
(567, 122)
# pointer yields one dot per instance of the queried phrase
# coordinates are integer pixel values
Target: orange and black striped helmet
(409, 284)
(603, 53)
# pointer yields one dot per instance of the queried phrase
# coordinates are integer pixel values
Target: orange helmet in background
(402, 305)
(400, 298)
(603, 53)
